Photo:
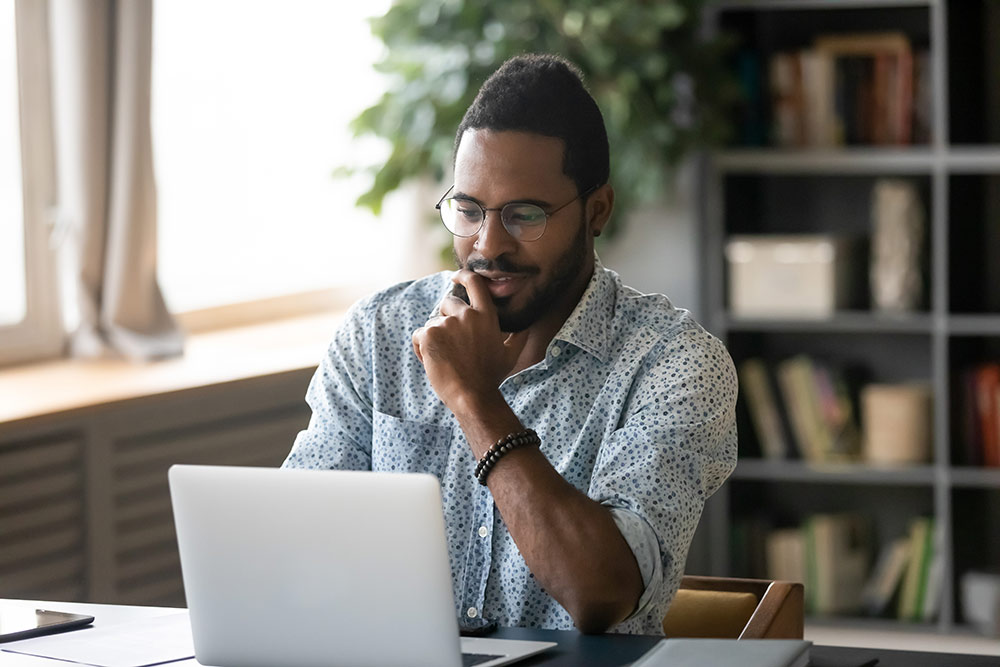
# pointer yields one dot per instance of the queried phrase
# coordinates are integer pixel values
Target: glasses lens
(525, 222)
(462, 217)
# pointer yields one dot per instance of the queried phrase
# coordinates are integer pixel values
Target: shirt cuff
(642, 540)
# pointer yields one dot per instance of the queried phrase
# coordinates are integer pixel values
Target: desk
(574, 650)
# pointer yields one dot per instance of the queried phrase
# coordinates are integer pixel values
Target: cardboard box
(794, 276)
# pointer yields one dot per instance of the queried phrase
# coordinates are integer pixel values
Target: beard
(565, 272)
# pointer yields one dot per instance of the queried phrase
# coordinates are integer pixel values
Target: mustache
(500, 264)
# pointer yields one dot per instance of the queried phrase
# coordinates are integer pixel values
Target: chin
(514, 320)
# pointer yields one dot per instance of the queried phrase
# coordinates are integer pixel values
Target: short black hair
(545, 94)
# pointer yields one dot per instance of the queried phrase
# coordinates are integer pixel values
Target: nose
(493, 239)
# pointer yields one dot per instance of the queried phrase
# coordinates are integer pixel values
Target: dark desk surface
(576, 650)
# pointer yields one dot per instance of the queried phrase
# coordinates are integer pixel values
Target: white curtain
(101, 53)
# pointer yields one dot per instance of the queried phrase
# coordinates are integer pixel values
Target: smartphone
(24, 622)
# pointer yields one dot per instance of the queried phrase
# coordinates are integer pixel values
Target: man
(587, 519)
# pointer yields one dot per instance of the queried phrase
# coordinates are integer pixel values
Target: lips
(502, 285)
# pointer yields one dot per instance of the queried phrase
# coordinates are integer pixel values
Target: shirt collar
(587, 326)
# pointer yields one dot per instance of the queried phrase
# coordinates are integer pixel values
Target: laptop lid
(316, 568)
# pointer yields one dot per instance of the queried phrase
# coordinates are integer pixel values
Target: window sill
(210, 358)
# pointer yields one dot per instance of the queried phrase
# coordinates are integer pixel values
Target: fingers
(416, 339)
(451, 305)
(479, 294)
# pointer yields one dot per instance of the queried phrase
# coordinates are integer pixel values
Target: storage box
(809, 276)
(896, 420)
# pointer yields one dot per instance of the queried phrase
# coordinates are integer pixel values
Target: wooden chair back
(733, 608)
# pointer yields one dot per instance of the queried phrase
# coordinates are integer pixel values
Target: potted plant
(662, 87)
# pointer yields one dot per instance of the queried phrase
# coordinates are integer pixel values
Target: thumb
(415, 339)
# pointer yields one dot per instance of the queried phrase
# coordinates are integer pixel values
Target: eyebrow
(537, 202)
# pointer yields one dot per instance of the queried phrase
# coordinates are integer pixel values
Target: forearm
(570, 543)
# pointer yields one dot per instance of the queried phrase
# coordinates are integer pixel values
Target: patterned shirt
(634, 404)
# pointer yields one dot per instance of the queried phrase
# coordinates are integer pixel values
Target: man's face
(530, 281)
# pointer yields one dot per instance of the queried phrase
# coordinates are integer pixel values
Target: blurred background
(192, 193)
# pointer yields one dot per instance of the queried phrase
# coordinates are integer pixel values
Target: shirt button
(556, 351)
(518, 379)
(483, 532)
(472, 613)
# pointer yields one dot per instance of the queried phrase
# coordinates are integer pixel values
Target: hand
(463, 351)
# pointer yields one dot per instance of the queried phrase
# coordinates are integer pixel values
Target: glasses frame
(501, 209)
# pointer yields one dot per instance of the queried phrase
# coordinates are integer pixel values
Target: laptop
(306, 568)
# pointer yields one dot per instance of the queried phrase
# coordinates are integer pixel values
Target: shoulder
(654, 314)
(677, 341)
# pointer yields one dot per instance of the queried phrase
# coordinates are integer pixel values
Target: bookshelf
(765, 185)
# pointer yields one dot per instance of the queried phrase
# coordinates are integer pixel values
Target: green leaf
(440, 51)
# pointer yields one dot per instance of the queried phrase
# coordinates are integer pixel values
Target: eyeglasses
(525, 222)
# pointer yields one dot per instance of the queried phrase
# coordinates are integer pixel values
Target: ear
(600, 204)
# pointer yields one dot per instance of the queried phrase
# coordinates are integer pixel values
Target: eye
(467, 209)
(525, 214)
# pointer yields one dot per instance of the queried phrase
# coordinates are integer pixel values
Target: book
(910, 606)
(971, 437)
(987, 390)
(858, 88)
(795, 378)
(922, 106)
(763, 408)
(933, 586)
(817, 93)
(727, 653)
(820, 411)
(837, 555)
(752, 124)
(786, 555)
(787, 111)
(886, 576)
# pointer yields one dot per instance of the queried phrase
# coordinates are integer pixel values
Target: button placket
(479, 555)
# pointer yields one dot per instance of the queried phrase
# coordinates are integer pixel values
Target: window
(251, 105)
(13, 303)
(30, 326)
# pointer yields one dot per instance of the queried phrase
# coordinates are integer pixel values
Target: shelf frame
(936, 163)
(764, 470)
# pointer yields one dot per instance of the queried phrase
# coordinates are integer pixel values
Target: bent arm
(675, 446)
(570, 542)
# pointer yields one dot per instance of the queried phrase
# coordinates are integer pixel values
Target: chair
(730, 608)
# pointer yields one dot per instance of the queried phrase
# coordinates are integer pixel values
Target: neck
(541, 333)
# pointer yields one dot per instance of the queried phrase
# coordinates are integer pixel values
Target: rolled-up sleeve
(675, 447)
(339, 434)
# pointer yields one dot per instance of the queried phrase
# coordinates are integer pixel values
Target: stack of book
(906, 580)
(981, 414)
(861, 88)
(831, 554)
(815, 402)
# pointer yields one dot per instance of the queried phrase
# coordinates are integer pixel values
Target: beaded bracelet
(502, 446)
